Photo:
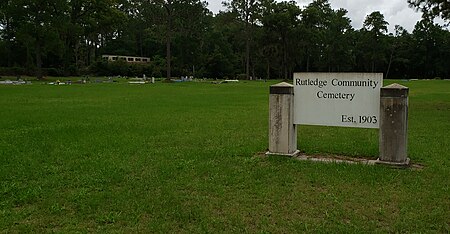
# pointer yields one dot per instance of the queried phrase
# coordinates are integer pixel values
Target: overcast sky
(394, 11)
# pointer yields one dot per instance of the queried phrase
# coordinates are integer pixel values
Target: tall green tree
(170, 18)
(432, 8)
(282, 19)
(7, 32)
(91, 24)
(431, 49)
(337, 42)
(37, 27)
(223, 47)
(194, 22)
(246, 11)
(316, 18)
(397, 43)
(165, 9)
(373, 32)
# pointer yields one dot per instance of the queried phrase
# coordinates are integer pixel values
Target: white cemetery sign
(337, 99)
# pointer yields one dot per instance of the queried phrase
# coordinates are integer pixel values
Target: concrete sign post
(282, 130)
(394, 125)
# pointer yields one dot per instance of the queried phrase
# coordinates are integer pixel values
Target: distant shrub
(22, 71)
(13, 71)
(120, 68)
(241, 76)
(52, 72)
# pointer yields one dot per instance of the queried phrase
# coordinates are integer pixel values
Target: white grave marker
(337, 99)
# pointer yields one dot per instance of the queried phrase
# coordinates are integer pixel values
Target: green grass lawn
(182, 157)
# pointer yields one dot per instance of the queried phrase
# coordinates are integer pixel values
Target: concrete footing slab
(345, 160)
(332, 159)
(281, 154)
(394, 164)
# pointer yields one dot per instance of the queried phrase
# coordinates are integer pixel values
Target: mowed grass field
(186, 157)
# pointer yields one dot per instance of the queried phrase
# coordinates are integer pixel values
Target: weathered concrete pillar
(394, 125)
(282, 130)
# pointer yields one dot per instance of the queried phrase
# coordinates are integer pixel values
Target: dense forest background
(252, 39)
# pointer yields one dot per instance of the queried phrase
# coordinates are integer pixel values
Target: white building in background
(128, 59)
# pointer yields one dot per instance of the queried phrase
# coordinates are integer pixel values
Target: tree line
(251, 39)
